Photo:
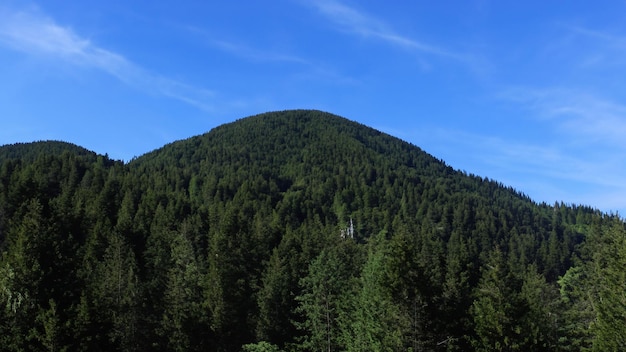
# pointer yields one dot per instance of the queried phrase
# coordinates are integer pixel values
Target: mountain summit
(293, 230)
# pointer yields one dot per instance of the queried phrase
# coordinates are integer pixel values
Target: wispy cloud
(32, 32)
(353, 21)
(307, 68)
(592, 48)
(606, 38)
(545, 171)
(590, 117)
(551, 172)
(257, 55)
(549, 161)
(519, 155)
(585, 143)
(248, 52)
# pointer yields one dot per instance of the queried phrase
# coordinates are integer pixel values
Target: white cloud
(33, 33)
(590, 49)
(604, 38)
(350, 20)
(253, 54)
(590, 118)
(313, 71)
(583, 147)
(545, 172)
(354, 21)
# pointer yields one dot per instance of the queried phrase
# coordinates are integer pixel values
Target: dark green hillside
(32, 151)
(299, 229)
(334, 164)
(305, 153)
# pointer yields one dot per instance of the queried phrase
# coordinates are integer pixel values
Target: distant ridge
(28, 151)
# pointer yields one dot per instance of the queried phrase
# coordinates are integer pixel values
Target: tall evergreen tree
(276, 313)
(609, 280)
(118, 294)
(182, 298)
(409, 283)
(50, 324)
(493, 306)
(20, 278)
(322, 302)
(539, 315)
(375, 322)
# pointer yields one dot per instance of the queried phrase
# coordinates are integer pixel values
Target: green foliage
(540, 316)
(274, 298)
(237, 239)
(182, 296)
(20, 279)
(609, 278)
(592, 293)
(577, 313)
(118, 293)
(326, 294)
(375, 322)
(50, 323)
(262, 346)
(492, 308)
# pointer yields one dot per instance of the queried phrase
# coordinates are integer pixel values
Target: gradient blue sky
(530, 93)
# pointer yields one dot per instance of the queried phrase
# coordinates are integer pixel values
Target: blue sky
(530, 93)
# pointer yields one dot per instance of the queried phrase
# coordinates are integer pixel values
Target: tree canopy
(295, 230)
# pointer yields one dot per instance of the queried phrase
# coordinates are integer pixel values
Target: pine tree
(20, 278)
(118, 294)
(408, 282)
(609, 269)
(182, 297)
(492, 307)
(275, 302)
(539, 317)
(375, 322)
(323, 291)
(50, 325)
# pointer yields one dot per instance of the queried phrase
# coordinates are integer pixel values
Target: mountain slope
(269, 228)
(308, 150)
(30, 151)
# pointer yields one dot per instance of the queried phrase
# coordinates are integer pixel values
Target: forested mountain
(296, 231)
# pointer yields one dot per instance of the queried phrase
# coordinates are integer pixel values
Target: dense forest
(295, 231)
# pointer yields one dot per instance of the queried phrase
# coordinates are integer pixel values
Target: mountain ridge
(244, 234)
(30, 149)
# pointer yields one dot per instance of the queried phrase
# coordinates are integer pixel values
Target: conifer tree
(20, 278)
(118, 294)
(609, 280)
(492, 307)
(274, 301)
(323, 291)
(375, 322)
(182, 297)
(539, 314)
(48, 330)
